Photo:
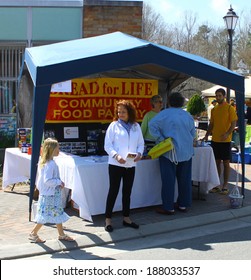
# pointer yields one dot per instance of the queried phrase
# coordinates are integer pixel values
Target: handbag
(161, 148)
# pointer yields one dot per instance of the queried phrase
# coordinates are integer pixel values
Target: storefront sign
(92, 100)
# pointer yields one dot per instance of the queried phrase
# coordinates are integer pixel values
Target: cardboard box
(23, 136)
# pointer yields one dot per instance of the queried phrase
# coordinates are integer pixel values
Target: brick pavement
(15, 226)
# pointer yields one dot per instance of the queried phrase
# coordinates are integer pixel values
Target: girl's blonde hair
(49, 146)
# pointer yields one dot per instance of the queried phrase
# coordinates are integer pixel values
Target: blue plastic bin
(236, 157)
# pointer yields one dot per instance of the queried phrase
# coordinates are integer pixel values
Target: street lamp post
(230, 20)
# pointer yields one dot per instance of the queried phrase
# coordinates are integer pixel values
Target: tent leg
(29, 216)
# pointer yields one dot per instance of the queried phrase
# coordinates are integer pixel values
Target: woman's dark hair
(130, 109)
(176, 99)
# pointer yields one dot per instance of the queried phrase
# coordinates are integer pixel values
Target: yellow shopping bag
(161, 148)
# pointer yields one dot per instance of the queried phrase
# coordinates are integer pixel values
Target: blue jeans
(169, 173)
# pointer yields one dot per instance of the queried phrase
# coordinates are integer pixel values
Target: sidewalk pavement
(15, 225)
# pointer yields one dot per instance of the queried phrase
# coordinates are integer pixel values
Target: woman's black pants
(116, 173)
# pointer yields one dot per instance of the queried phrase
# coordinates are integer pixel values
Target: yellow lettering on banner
(87, 113)
(66, 114)
(93, 103)
(137, 102)
(74, 103)
(141, 113)
(56, 113)
(63, 103)
(75, 114)
(85, 103)
(97, 103)
(105, 114)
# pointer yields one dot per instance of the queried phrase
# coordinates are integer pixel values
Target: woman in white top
(49, 184)
(124, 144)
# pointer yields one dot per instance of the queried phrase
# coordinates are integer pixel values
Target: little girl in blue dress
(49, 208)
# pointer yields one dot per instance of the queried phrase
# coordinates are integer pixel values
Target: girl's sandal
(35, 238)
(65, 237)
(215, 190)
(224, 191)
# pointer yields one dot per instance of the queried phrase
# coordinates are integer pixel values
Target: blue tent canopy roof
(49, 64)
(59, 62)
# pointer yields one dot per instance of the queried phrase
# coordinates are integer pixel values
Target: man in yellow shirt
(222, 124)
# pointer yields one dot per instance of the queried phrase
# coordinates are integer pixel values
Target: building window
(10, 65)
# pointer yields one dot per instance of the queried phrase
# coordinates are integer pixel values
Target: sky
(207, 11)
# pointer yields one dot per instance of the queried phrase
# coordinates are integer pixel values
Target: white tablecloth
(16, 167)
(89, 180)
(204, 168)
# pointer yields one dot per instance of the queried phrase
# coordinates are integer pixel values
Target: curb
(101, 238)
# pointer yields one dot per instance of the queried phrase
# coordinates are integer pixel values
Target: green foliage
(6, 141)
(195, 105)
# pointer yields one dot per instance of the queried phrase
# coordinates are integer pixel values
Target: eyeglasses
(159, 101)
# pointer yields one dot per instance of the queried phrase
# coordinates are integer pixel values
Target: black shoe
(109, 228)
(164, 212)
(132, 225)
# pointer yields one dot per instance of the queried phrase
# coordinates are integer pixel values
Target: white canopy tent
(210, 92)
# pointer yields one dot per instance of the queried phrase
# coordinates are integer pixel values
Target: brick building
(105, 16)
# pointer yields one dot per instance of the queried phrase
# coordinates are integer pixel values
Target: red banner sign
(92, 100)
